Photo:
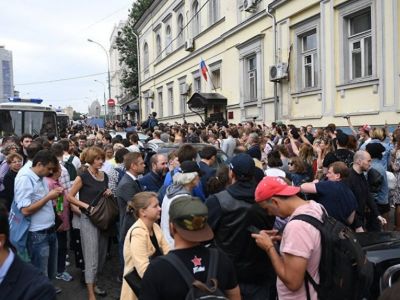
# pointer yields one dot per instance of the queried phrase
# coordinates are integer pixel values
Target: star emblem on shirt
(196, 261)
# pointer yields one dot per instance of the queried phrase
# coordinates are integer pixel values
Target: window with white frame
(309, 59)
(251, 79)
(197, 83)
(158, 46)
(195, 18)
(183, 96)
(145, 56)
(170, 100)
(180, 26)
(360, 44)
(160, 103)
(251, 69)
(216, 78)
(213, 11)
(168, 39)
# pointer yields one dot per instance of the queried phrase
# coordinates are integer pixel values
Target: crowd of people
(175, 208)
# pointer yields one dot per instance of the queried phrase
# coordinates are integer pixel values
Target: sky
(48, 40)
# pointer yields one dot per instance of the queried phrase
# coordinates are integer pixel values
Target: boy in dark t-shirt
(337, 198)
(188, 226)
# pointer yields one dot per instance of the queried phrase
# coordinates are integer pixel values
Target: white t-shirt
(304, 240)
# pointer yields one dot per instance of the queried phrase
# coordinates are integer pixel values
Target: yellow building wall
(375, 103)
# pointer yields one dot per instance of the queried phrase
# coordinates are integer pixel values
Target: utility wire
(103, 73)
(62, 79)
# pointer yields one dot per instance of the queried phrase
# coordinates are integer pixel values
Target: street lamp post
(108, 67)
(104, 99)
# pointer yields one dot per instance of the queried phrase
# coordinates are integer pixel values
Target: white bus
(19, 116)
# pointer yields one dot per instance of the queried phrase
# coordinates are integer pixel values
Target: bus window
(11, 122)
(38, 122)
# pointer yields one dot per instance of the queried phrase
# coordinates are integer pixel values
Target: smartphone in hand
(253, 229)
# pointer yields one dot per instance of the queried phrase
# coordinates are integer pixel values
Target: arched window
(145, 56)
(180, 30)
(195, 18)
(168, 39)
(158, 45)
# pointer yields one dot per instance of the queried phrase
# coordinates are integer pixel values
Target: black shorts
(383, 208)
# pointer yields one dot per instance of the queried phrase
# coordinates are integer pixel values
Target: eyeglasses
(17, 162)
(290, 163)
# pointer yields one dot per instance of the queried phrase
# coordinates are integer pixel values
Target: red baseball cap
(274, 186)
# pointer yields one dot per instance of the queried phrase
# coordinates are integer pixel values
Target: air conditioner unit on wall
(184, 89)
(250, 5)
(278, 72)
(189, 45)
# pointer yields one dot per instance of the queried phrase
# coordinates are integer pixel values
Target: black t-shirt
(162, 281)
(337, 198)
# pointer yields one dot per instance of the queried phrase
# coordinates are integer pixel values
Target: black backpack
(70, 168)
(199, 290)
(345, 273)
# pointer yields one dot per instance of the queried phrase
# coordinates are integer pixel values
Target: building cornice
(178, 6)
(275, 4)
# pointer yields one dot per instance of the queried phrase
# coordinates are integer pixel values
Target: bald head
(361, 161)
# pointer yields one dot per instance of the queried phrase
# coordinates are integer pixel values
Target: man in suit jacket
(19, 280)
(128, 187)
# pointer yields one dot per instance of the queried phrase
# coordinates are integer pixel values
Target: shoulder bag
(103, 211)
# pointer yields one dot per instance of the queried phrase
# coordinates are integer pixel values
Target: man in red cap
(300, 248)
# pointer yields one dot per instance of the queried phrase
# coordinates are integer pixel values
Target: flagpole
(209, 75)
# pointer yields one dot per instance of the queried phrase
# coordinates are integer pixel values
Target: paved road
(74, 290)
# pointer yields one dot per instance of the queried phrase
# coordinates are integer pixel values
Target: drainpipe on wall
(275, 62)
(138, 70)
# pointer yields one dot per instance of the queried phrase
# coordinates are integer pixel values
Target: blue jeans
(42, 249)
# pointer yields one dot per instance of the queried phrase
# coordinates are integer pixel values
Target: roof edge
(275, 4)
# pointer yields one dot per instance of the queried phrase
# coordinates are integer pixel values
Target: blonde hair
(140, 201)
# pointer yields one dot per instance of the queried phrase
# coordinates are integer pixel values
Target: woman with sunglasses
(144, 240)
(297, 171)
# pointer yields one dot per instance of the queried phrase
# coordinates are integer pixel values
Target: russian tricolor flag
(203, 68)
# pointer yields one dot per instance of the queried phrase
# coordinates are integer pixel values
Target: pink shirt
(65, 226)
(303, 240)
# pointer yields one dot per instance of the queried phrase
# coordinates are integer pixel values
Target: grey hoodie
(173, 192)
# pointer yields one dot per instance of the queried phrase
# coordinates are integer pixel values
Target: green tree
(126, 45)
(76, 116)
